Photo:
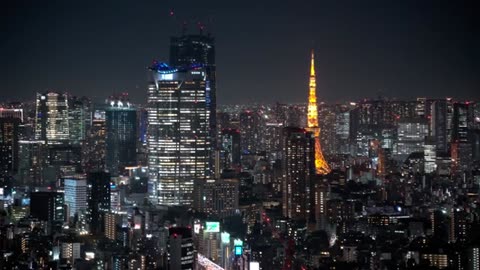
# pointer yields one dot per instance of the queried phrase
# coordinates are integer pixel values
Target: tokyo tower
(321, 165)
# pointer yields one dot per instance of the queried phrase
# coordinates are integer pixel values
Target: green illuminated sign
(212, 226)
(225, 237)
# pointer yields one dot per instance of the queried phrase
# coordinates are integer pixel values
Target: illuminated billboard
(237, 242)
(212, 226)
(254, 266)
(225, 237)
(238, 250)
(196, 228)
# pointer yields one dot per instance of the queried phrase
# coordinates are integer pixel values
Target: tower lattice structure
(321, 165)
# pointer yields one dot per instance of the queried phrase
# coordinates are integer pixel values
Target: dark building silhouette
(181, 251)
(48, 206)
(98, 199)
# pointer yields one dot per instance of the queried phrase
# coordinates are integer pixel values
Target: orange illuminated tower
(321, 165)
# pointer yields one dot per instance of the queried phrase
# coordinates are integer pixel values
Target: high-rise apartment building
(248, 131)
(52, 118)
(121, 135)
(298, 168)
(179, 135)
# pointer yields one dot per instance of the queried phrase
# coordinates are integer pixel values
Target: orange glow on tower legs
(321, 165)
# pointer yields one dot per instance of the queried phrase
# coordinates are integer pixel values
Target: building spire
(312, 65)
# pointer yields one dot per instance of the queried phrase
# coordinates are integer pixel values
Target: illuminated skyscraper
(78, 109)
(75, 195)
(460, 148)
(298, 169)
(121, 135)
(411, 136)
(248, 131)
(51, 119)
(321, 165)
(179, 138)
(187, 50)
(95, 157)
(9, 145)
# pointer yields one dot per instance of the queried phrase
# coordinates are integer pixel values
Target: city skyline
(308, 169)
(398, 50)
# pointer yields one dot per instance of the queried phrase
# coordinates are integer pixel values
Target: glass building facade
(52, 119)
(179, 139)
(121, 136)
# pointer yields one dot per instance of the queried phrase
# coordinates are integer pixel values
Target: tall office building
(460, 148)
(179, 138)
(121, 135)
(298, 169)
(78, 111)
(32, 162)
(96, 142)
(98, 200)
(187, 50)
(9, 145)
(75, 195)
(217, 197)
(438, 124)
(411, 136)
(230, 148)
(460, 122)
(430, 154)
(52, 118)
(11, 113)
(192, 49)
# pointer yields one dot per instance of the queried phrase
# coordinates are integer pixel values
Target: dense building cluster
(179, 183)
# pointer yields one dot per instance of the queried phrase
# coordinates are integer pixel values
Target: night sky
(363, 48)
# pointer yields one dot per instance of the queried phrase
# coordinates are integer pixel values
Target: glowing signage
(238, 242)
(196, 228)
(212, 226)
(238, 250)
(254, 266)
(225, 237)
